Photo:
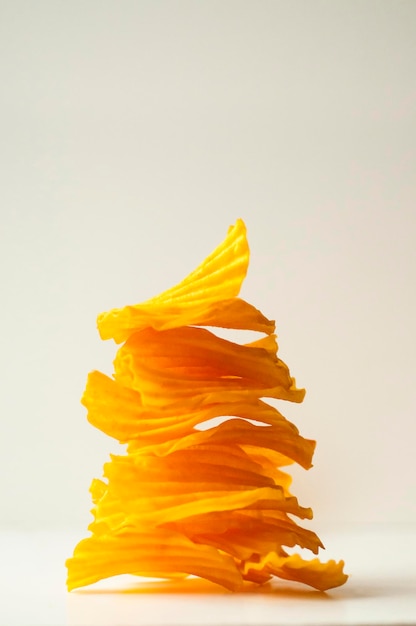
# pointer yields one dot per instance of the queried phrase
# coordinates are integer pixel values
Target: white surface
(381, 589)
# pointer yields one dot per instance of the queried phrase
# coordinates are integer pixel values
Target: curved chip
(205, 298)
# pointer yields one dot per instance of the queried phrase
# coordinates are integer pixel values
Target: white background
(133, 133)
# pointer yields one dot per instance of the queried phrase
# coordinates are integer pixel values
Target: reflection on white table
(381, 590)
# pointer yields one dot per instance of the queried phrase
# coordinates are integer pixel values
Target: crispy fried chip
(207, 297)
(192, 497)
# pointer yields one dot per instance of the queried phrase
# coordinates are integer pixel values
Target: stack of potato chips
(190, 498)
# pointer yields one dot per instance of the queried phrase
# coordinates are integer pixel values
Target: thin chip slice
(202, 298)
(148, 554)
(192, 366)
(321, 576)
